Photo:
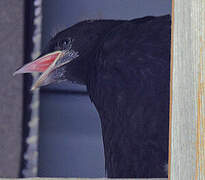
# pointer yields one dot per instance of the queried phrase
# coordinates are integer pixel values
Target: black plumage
(130, 89)
(126, 67)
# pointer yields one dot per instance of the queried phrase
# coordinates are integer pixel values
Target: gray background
(70, 133)
(11, 57)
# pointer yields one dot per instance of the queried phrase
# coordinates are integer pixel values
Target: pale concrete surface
(11, 57)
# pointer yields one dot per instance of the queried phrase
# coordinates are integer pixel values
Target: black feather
(129, 85)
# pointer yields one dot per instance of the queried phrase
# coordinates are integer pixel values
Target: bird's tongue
(41, 64)
(45, 64)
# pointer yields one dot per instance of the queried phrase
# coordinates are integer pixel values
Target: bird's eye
(64, 43)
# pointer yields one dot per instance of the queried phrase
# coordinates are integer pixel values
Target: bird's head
(68, 54)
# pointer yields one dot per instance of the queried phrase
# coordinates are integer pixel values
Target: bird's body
(125, 66)
(130, 89)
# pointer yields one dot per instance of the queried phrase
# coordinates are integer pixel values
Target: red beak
(45, 64)
(40, 64)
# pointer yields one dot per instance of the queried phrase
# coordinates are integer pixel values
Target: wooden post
(187, 117)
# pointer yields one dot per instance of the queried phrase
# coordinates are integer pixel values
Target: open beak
(45, 64)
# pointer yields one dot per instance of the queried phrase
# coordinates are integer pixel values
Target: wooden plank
(187, 120)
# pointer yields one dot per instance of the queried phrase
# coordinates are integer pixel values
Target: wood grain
(187, 119)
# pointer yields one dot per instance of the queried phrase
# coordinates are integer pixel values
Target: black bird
(125, 65)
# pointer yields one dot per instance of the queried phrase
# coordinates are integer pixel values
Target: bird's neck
(134, 125)
(135, 135)
(135, 146)
(119, 148)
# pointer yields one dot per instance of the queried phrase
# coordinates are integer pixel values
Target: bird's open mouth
(46, 64)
